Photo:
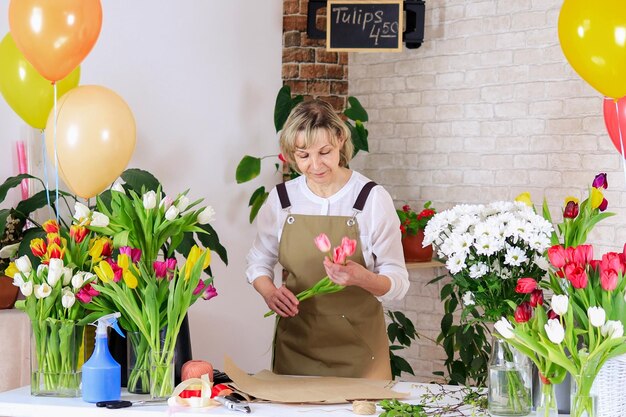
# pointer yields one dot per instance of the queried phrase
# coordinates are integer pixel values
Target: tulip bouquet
(57, 294)
(584, 325)
(144, 281)
(338, 255)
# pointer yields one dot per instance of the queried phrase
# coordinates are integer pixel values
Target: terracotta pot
(8, 292)
(413, 250)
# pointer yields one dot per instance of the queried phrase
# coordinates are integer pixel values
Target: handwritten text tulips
(338, 255)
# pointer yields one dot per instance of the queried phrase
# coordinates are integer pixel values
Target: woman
(339, 334)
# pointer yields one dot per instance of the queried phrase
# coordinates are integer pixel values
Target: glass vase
(161, 374)
(138, 363)
(55, 362)
(510, 381)
(583, 402)
(547, 400)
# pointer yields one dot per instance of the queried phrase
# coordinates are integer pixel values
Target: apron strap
(362, 198)
(283, 196)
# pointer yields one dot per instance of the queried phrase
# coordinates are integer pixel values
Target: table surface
(19, 402)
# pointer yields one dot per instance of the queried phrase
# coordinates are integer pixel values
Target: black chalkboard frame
(330, 40)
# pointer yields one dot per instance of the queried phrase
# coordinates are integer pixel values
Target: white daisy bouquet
(487, 248)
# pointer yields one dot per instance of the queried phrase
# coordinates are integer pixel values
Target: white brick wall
(486, 108)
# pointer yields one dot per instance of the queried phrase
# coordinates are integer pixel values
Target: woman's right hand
(281, 299)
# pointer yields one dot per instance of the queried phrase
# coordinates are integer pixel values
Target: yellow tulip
(11, 270)
(570, 198)
(95, 251)
(130, 279)
(596, 198)
(123, 261)
(194, 255)
(104, 271)
(524, 198)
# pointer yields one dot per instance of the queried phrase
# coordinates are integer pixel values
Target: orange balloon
(55, 35)
(95, 138)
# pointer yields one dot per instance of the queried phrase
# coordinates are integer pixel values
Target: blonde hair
(309, 118)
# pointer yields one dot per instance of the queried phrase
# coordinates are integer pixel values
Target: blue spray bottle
(101, 373)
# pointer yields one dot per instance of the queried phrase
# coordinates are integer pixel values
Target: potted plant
(412, 225)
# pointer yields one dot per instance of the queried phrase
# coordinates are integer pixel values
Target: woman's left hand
(351, 273)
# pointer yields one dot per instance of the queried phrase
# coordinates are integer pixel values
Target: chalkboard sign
(361, 25)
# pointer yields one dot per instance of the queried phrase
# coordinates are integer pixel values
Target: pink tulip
(133, 254)
(199, 288)
(339, 256)
(348, 246)
(160, 269)
(583, 254)
(611, 260)
(83, 297)
(117, 271)
(608, 279)
(557, 256)
(210, 292)
(322, 242)
(576, 275)
(525, 285)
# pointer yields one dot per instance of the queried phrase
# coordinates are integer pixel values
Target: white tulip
(555, 331)
(18, 279)
(99, 220)
(81, 211)
(23, 264)
(206, 216)
(26, 288)
(166, 202)
(41, 269)
(171, 213)
(78, 280)
(560, 304)
(88, 277)
(597, 316)
(67, 276)
(117, 186)
(68, 299)
(503, 326)
(612, 329)
(149, 200)
(183, 203)
(55, 271)
(9, 251)
(42, 291)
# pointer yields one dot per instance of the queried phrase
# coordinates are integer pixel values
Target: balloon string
(621, 139)
(45, 171)
(56, 158)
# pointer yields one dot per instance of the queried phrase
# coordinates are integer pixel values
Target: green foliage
(465, 342)
(250, 166)
(401, 333)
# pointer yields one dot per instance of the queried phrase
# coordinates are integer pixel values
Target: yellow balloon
(28, 93)
(593, 39)
(95, 138)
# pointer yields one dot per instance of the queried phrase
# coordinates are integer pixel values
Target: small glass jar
(510, 381)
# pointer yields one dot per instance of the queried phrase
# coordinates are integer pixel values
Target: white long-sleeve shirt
(379, 229)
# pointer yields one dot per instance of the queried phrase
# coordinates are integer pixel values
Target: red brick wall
(307, 67)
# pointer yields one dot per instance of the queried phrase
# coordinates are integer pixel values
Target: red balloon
(615, 121)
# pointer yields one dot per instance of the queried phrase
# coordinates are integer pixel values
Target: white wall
(201, 78)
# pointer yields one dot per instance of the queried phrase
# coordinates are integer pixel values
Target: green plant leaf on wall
(259, 191)
(12, 182)
(249, 168)
(284, 105)
(355, 111)
(37, 201)
(360, 141)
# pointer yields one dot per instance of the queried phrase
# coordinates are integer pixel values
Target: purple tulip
(571, 210)
(600, 181)
(603, 205)
(209, 292)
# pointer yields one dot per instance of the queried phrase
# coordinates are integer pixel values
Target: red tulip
(536, 298)
(525, 285)
(603, 205)
(608, 279)
(576, 275)
(571, 210)
(50, 226)
(583, 254)
(523, 312)
(612, 260)
(78, 233)
(557, 256)
(552, 315)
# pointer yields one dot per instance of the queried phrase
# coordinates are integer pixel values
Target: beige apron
(341, 334)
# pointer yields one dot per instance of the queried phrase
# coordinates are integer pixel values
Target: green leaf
(446, 323)
(139, 180)
(212, 241)
(37, 201)
(359, 138)
(256, 206)
(4, 214)
(355, 110)
(284, 105)
(12, 182)
(258, 192)
(249, 168)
